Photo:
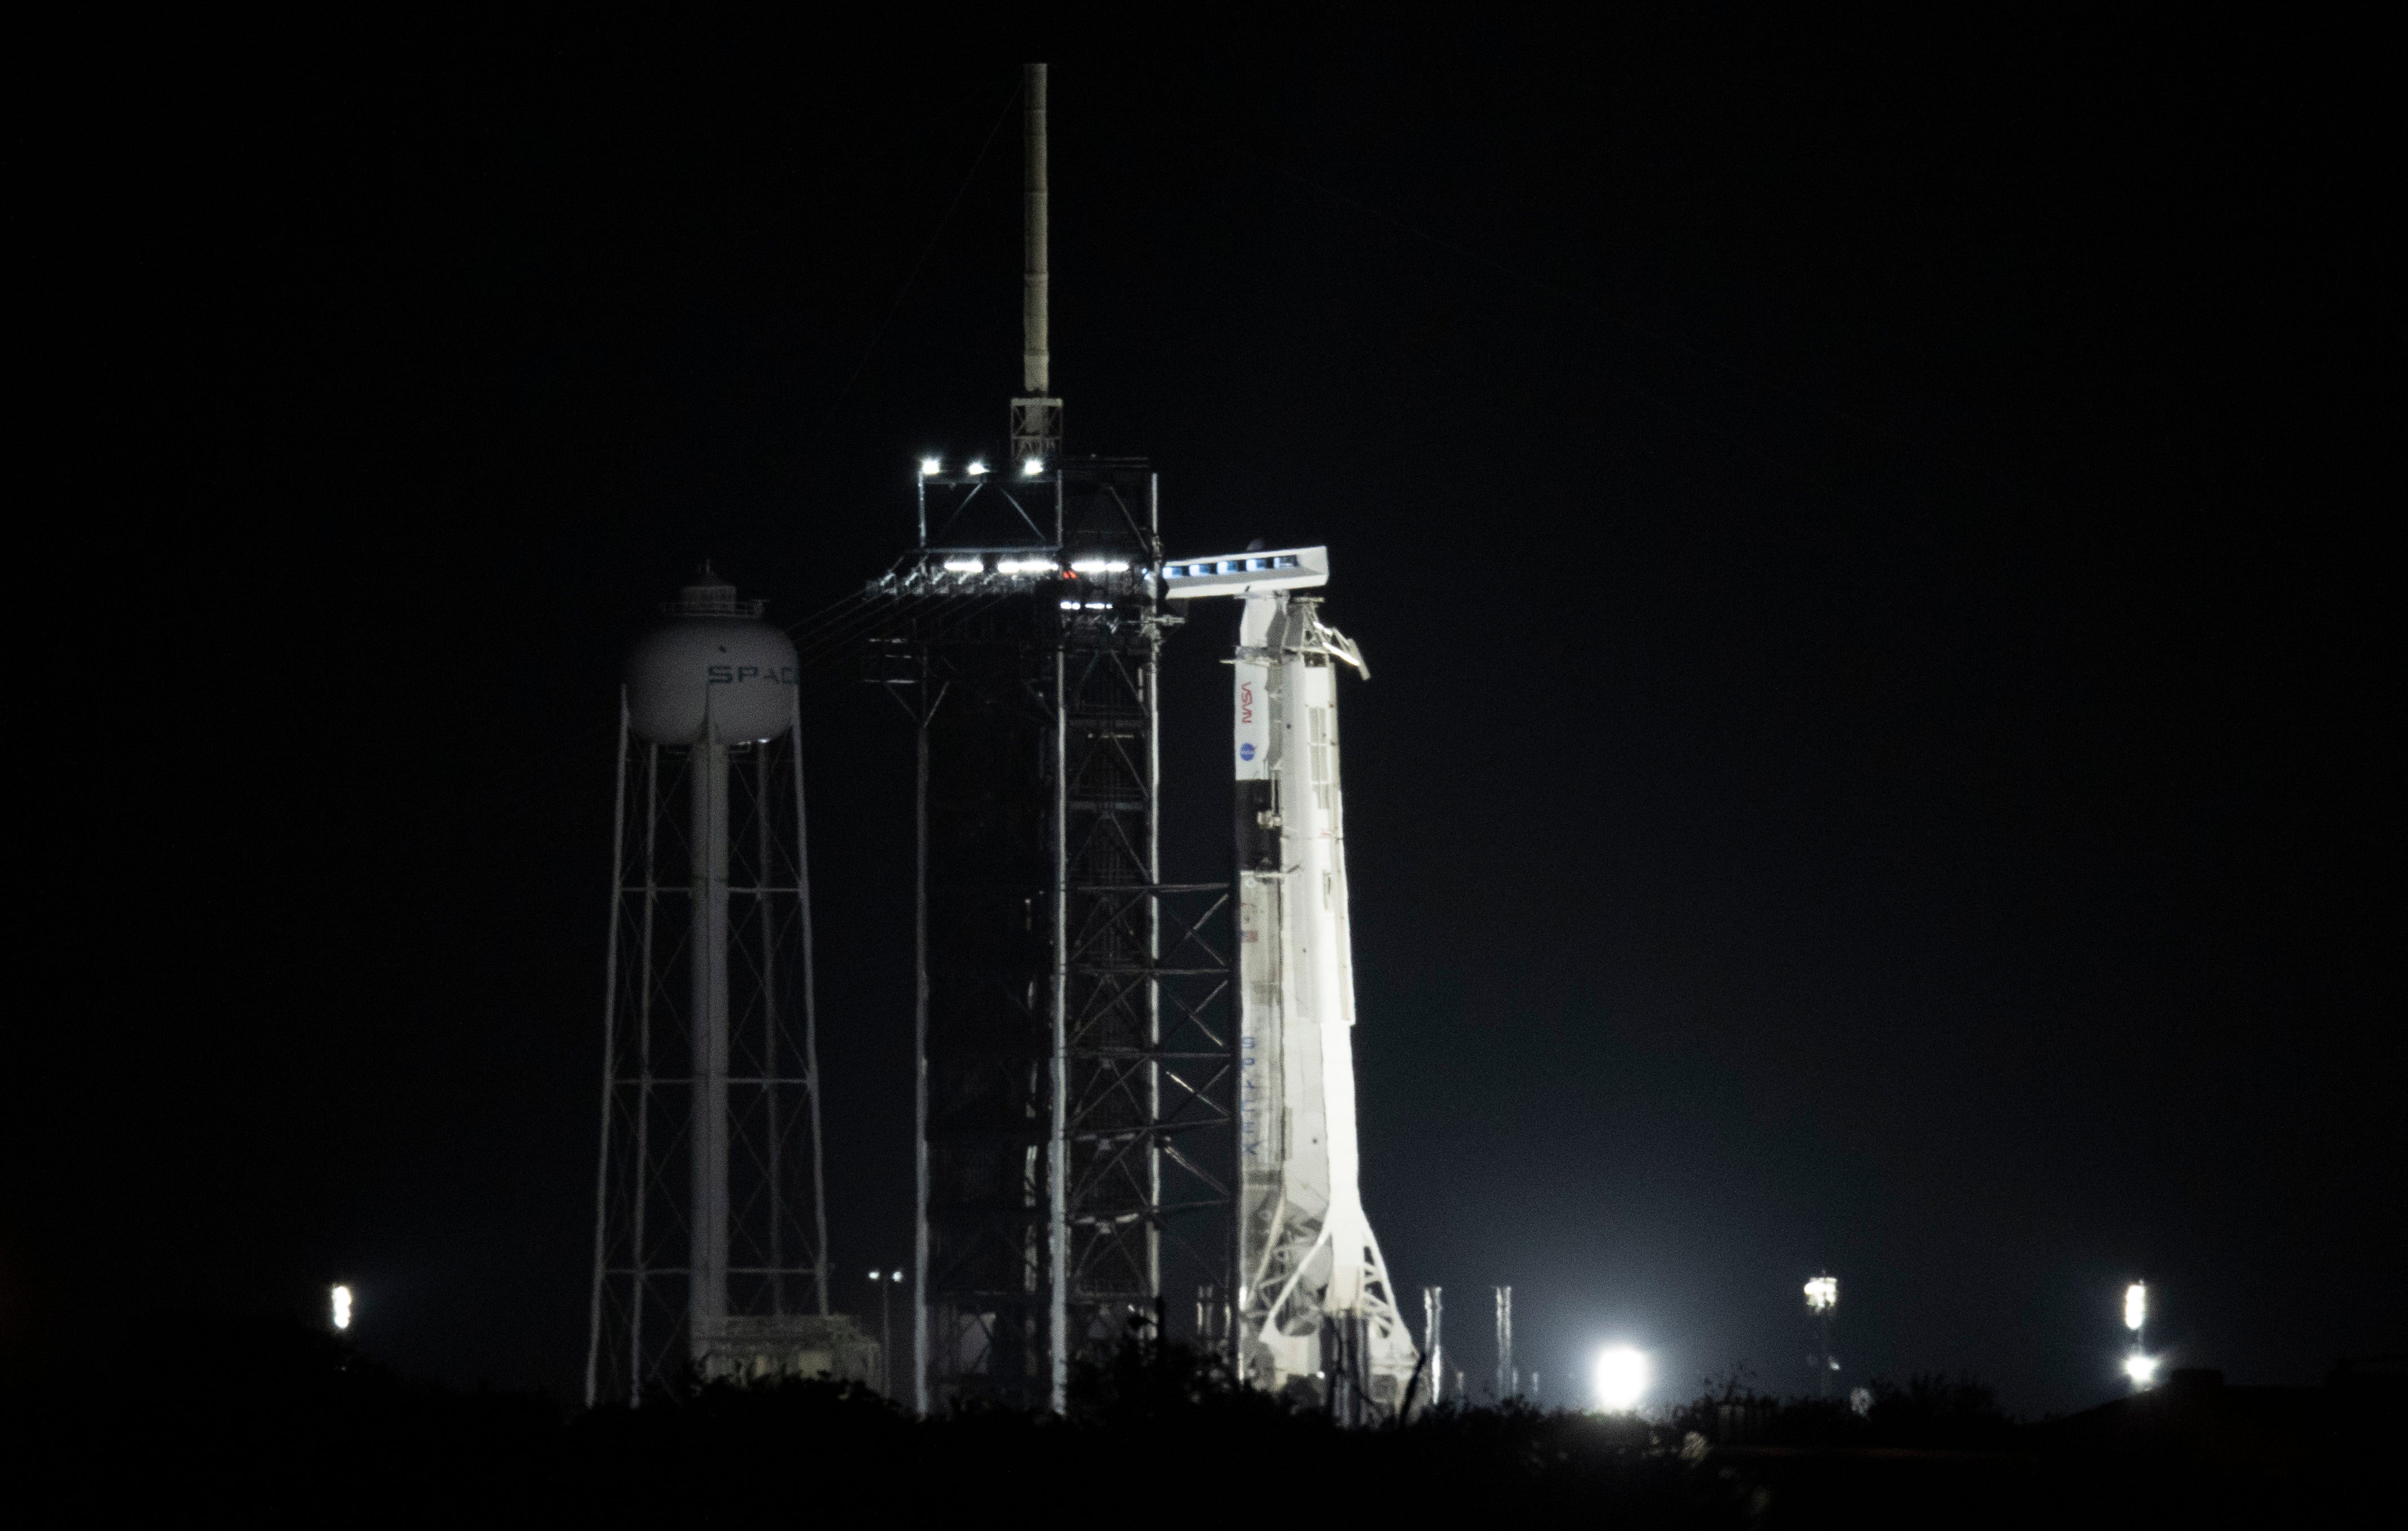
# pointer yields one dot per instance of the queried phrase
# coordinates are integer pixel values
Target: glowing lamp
(1622, 1378)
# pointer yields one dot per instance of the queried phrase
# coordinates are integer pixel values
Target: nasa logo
(1246, 750)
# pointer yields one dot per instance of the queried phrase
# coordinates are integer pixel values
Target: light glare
(976, 468)
(340, 1299)
(1622, 1378)
(1823, 1293)
(2142, 1369)
(931, 466)
(2136, 1305)
(1033, 466)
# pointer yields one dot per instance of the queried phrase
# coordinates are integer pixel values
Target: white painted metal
(1509, 1379)
(714, 659)
(1037, 414)
(713, 684)
(1316, 1313)
(1253, 573)
(706, 978)
(1434, 1341)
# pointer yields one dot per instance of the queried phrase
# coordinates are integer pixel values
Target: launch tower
(1074, 1085)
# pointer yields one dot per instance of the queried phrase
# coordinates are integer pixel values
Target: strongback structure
(709, 1236)
(1316, 1313)
(1074, 1083)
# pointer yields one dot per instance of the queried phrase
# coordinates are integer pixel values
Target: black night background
(1865, 529)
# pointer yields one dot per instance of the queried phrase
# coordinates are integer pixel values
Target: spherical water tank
(713, 661)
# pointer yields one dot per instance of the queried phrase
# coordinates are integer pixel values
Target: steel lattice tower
(1074, 1107)
(1075, 1077)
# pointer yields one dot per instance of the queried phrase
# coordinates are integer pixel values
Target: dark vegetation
(277, 1423)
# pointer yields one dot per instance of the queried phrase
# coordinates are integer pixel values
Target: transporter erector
(1317, 1314)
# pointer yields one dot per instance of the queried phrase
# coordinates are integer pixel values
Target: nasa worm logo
(1246, 750)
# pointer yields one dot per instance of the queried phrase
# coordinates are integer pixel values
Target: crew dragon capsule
(1316, 1313)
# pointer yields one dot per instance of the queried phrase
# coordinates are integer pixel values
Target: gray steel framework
(660, 1205)
(1075, 1068)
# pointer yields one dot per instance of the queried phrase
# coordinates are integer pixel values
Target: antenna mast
(1036, 415)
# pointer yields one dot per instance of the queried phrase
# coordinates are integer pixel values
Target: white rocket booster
(1316, 1313)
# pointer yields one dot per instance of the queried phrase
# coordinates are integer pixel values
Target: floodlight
(931, 466)
(1032, 467)
(898, 1276)
(1622, 1378)
(2142, 1369)
(964, 566)
(1823, 1293)
(340, 1299)
(976, 468)
(2136, 1305)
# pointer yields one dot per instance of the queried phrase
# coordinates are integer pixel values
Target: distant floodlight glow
(964, 566)
(1622, 1378)
(1033, 466)
(931, 466)
(2136, 1305)
(1823, 1293)
(341, 1299)
(976, 468)
(898, 1276)
(2142, 1369)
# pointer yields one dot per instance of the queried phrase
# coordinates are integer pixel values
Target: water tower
(710, 1229)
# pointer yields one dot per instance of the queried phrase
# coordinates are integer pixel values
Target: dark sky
(1866, 541)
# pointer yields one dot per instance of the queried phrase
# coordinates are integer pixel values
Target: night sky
(1866, 540)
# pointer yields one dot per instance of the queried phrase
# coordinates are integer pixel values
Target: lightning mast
(1316, 1312)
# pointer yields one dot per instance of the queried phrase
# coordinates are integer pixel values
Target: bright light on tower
(2136, 1305)
(1032, 467)
(977, 469)
(1823, 1293)
(2142, 1369)
(340, 1299)
(931, 466)
(1622, 1378)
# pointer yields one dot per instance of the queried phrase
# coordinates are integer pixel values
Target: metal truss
(1077, 1075)
(642, 1335)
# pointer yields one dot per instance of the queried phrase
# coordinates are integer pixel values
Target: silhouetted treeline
(269, 1423)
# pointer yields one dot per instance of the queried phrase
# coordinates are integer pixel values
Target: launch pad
(1128, 1091)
